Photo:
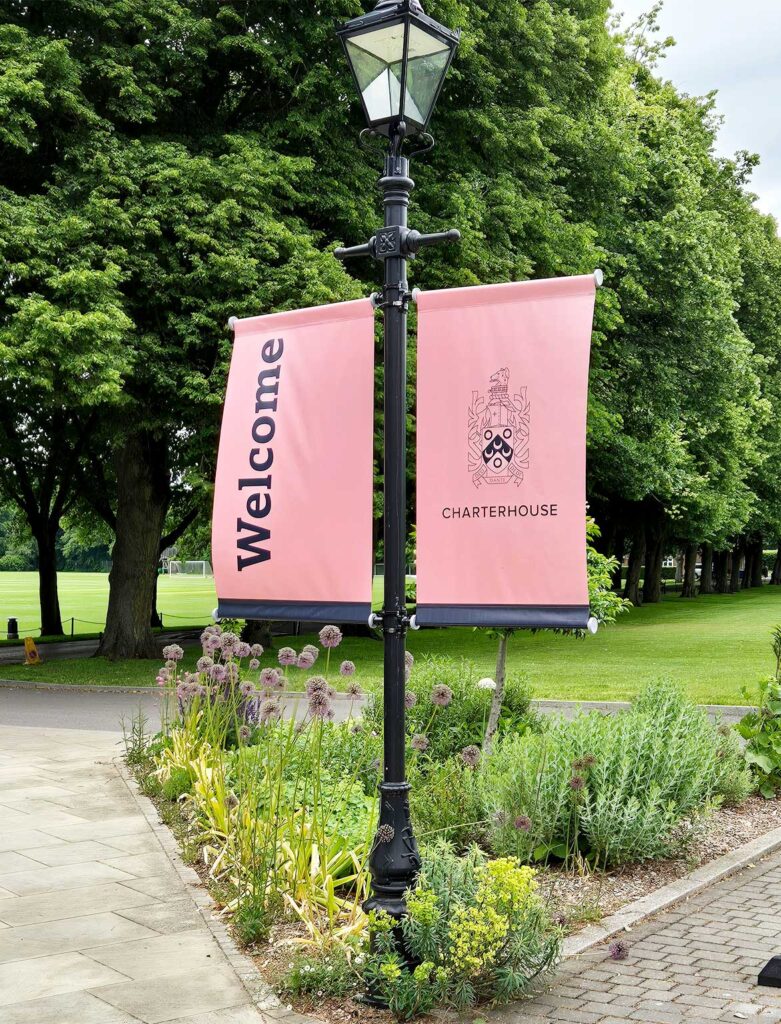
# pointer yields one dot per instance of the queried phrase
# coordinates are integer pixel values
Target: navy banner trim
(508, 616)
(293, 611)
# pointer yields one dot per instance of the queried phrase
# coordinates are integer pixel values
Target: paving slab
(100, 922)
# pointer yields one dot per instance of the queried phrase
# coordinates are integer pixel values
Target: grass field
(714, 645)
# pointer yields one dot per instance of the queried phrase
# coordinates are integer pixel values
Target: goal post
(196, 567)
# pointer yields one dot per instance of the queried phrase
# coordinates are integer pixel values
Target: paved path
(96, 925)
(695, 964)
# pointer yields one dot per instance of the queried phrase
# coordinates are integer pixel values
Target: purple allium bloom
(589, 760)
(500, 817)
(305, 660)
(356, 729)
(523, 823)
(618, 950)
(181, 691)
(347, 668)
(287, 656)
(576, 783)
(218, 673)
(232, 672)
(204, 664)
(254, 664)
(319, 704)
(471, 756)
(171, 666)
(270, 710)
(173, 652)
(420, 743)
(246, 689)
(409, 661)
(211, 643)
(375, 765)
(244, 733)
(311, 649)
(268, 678)
(316, 684)
(330, 636)
(229, 642)
(354, 690)
(163, 672)
(242, 649)
(160, 681)
(256, 650)
(410, 699)
(441, 695)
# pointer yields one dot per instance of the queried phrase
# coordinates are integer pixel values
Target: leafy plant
(476, 929)
(762, 728)
(333, 972)
(611, 788)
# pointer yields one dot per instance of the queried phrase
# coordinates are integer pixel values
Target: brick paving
(694, 964)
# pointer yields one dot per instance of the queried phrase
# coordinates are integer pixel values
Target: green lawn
(714, 645)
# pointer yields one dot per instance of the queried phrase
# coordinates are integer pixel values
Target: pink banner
(501, 489)
(292, 526)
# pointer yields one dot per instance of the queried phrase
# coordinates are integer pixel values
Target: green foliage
(476, 928)
(445, 801)
(762, 728)
(462, 722)
(611, 788)
(330, 973)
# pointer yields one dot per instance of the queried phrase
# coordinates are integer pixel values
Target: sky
(734, 47)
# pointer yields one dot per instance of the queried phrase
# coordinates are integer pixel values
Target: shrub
(330, 973)
(477, 930)
(762, 729)
(460, 722)
(444, 801)
(610, 788)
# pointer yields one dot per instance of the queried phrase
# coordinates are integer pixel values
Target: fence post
(73, 625)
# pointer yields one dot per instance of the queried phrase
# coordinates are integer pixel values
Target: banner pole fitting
(415, 293)
(599, 277)
(232, 320)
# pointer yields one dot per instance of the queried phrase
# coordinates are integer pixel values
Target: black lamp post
(399, 58)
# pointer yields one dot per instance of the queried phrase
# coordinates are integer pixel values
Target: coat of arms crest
(499, 433)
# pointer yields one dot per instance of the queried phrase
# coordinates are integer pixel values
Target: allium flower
(385, 834)
(410, 699)
(206, 634)
(287, 656)
(256, 650)
(576, 783)
(317, 684)
(409, 661)
(242, 650)
(471, 756)
(246, 689)
(268, 678)
(500, 817)
(205, 663)
(420, 743)
(305, 659)
(441, 695)
(160, 681)
(354, 690)
(589, 760)
(163, 672)
(311, 649)
(270, 710)
(244, 733)
(347, 668)
(170, 665)
(218, 673)
(486, 684)
(254, 664)
(618, 950)
(173, 652)
(211, 643)
(232, 672)
(229, 643)
(356, 729)
(319, 704)
(330, 636)
(522, 823)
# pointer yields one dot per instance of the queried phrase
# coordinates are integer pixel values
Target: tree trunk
(680, 558)
(706, 576)
(689, 588)
(51, 619)
(722, 572)
(757, 562)
(154, 619)
(654, 553)
(618, 554)
(143, 490)
(258, 631)
(498, 694)
(775, 579)
(737, 558)
(636, 558)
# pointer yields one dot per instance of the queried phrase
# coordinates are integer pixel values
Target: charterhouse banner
(501, 418)
(292, 526)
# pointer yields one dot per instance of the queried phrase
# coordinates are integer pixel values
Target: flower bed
(281, 815)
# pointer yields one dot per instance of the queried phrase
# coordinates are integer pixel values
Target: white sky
(733, 46)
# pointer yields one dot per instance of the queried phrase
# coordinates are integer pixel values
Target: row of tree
(166, 164)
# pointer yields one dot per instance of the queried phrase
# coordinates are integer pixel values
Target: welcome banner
(292, 524)
(501, 490)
